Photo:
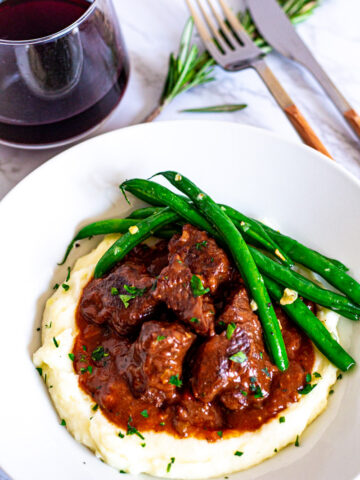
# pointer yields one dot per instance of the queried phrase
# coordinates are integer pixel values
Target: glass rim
(53, 36)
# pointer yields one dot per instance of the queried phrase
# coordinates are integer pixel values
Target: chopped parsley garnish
(282, 419)
(48, 325)
(95, 407)
(121, 435)
(175, 380)
(275, 450)
(162, 424)
(65, 286)
(83, 370)
(90, 369)
(258, 392)
(84, 347)
(143, 445)
(297, 443)
(238, 454)
(308, 378)
(261, 355)
(243, 393)
(221, 323)
(63, 423)
(82, 358)
(72, 356)
(68, 274)
(99, 353)
(230, 330)
(194, 320)
(200, 245)
(331, 392)
(160, 337)
(339, 377)
(172, 460)
(220, 433)
(307, 389)
(266, 371)
(122, 471)
(197, 287)
(132, 430)
(317, 375)
(38, 329)
(56, 343)
(144, 413)
(39, 369)
(239, 357)
(114, 291)
(126, 299)
(252, 379)
(154, 285)
(56, 286)
(136, 292)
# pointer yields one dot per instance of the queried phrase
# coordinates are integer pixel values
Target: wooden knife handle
(354, 120)
(307, 134)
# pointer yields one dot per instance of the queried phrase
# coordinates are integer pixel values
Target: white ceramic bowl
(294, 187)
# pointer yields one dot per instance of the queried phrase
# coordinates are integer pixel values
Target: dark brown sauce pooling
(166, 358)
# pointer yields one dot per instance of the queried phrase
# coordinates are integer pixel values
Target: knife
(276, 28)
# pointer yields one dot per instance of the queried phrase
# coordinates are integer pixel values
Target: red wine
(52, 91)
(28, 19)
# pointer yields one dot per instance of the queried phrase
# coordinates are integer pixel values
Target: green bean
(135, 235)
(144, 212)
(312, 326)
(157, 194)
(305, 287)
(244, 262)
(319, 264)
(259, 233)
(114, 225)
(103, 227)
(288, 242)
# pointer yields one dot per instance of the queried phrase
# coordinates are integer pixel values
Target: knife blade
(276, 28)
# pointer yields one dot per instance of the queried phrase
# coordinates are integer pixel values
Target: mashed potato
(193, 458)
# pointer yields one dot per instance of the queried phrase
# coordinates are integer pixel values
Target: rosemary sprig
(186, 71)
(216, 108)
(190, 68)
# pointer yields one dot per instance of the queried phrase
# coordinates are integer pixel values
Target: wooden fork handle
(353, 120)
(304, 130)
(296, 118)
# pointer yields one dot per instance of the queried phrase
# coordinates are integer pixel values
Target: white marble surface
(152, 29)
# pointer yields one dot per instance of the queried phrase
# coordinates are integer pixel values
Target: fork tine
(212, 27)
(225, 29)
(235, 24)
(204, 32)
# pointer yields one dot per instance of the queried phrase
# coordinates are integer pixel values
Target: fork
(228, 43)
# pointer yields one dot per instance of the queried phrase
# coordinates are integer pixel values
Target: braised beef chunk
(154, 259)
(213, 370)
(174, 288)
(191, 412)
(155, 361)
(237, 308)
(234, 364)
(210, 372)
(202, 255)
(122, 299)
